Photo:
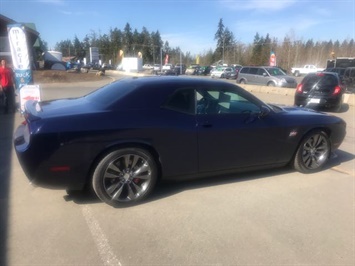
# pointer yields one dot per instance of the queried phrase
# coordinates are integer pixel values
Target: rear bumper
(327, 102)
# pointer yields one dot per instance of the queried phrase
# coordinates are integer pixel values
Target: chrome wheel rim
(127, 177)
(315, 151)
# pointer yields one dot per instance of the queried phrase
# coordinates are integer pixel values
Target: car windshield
(273, 71)
(110, 93)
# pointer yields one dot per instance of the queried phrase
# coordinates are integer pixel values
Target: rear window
(111, 93)
(320, 79)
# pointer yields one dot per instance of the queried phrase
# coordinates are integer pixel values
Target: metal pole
(180, 63)
(161, 58)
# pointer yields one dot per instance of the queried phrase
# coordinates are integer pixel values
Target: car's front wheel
(313, 152)
(125, 176)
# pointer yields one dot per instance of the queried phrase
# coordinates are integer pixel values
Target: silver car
(266, 76)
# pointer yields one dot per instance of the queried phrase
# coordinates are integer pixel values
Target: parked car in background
(170, 70)
(298, 71)
(199, 127)
(266, 76)
(181, 68)
(106, 66)
(349, 79)
(203, 70)
(156, 67)
(233, 74)
(148, 67)
(320, 90)
(92, 66)
(221, 72)
(192, 70)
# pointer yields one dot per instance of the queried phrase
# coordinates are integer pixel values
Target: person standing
(7, 86)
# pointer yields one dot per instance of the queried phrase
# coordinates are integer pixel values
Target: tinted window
(111, 92)
(253, 70)
(223, 102)
(321, 80)
(261, 71)
(273, 71)
(182, 100)
(244, 70)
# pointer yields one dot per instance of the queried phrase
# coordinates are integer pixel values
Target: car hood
(294, 109)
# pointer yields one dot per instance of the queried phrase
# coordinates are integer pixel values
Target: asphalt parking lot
(275, 217)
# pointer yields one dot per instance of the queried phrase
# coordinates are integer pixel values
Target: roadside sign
(29, 92)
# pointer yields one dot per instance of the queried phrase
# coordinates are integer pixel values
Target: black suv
(321, 89)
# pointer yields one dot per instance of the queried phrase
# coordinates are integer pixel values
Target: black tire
(313, 152)
(271, 84)
(242, 81)
(124, 177)
(297, 74)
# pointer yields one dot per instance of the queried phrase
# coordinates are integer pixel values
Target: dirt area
(60, 76)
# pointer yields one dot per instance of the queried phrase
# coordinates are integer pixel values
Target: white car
(156, 67)
(218, 72)
(148, 66)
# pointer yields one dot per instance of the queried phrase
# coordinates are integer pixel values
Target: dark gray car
(267, 76)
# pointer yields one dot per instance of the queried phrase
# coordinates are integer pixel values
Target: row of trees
(289, 51)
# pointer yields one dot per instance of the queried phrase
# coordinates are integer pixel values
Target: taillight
(337, 90)
(299, 88)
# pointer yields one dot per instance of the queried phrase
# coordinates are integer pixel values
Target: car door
(253, 77)
(261, 77)
(231, 134)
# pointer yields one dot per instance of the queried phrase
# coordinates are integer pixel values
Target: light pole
(224, 37)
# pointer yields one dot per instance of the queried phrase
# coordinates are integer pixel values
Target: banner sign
(20, 55)
(29, 92)
(272, 59)
(94, 55)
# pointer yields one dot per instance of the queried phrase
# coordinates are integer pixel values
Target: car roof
(153, 90)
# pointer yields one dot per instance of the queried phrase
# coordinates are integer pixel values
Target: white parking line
(107, 255)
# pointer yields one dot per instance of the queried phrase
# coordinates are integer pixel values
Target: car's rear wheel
(242, 81)
(313, 152)
(125, 176)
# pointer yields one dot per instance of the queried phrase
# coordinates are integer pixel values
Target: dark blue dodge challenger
(124, 137)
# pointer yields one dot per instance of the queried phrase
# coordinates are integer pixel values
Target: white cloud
(53, 2)
(258, 5)
(78, 13)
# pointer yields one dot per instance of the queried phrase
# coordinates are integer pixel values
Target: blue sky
(188, 24)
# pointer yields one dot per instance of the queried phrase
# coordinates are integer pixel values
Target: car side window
(182, 101)
(253, 70)
(244, 70)
(223, 102)
(261, 71)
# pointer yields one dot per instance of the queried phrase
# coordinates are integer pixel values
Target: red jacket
(6, 76)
